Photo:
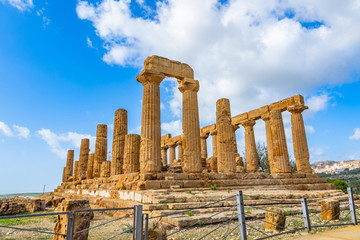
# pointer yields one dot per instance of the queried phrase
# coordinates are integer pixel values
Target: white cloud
(248, 52)
(89, 42)
(318, 102)
(5, 129)
(174, 127)
(319, 151)
(356, 135)
(21, 5)
(70, 139)
(309, 129)
(21, 132)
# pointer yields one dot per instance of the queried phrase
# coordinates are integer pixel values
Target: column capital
(248, 123)
(179, 143)
(204, 136)
(236, 127)
(298, 108)
(164, 147)
(149, 76)
(213, 132)
(265, 116)
(173, 145)
(188, 84)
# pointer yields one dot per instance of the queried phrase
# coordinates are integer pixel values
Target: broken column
(203, 138)
(252, 164)
(213, 134)
(150, 148)
(84, 157)
(191, 126)
(105, 169)
(301, 150)
(132, 153)
(76, 171)
(172, 154)
(280, 153)
(266, 118)
(164, 155)
(225, 137)
(100, 149)
(120, 130)
(274, 219)
(90, 168)
(69, 165)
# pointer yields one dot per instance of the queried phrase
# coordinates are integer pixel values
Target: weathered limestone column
(280, 153)
(301, 150)
(180, 151)
(120, 130)
(132, 153)
(90, 168)
(203, 138)
(84, 157)
(69, 164)
(150, 148)
(64, 177)
(172, 154)
(76, 171)
(191, 126)
(225, 137)
(266, 119)
(252, 164)
(236, 127)
(214, 142)
(164, 155)
(100, 149)
(105, 169)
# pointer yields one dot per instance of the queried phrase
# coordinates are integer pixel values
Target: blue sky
(66, 66)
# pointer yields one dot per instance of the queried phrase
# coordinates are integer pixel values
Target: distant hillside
(333, 167)
(19, 194)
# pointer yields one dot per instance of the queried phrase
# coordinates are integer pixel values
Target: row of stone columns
(172, 153)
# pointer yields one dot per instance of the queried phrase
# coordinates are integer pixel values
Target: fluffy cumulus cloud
(21, 132)
(16, 131)
(252, 52)
(356, 135)
(59, 143)
(22, 5)
(173, 127)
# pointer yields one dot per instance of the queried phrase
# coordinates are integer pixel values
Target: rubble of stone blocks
(16, 205)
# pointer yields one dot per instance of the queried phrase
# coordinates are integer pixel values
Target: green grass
(17, 221)
(190, 213)
(213, 187)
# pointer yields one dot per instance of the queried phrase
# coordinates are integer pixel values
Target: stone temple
(146, 169)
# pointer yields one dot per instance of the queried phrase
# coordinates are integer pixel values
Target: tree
(339, 184)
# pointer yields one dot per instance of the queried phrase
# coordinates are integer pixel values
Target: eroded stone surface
(274, 219)
(330, 210)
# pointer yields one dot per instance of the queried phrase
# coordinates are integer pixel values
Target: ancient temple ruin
(143, 167)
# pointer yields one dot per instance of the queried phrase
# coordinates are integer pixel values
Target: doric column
(150, 147)
(90, 168)
(301, 150)
(236, 127)
(172, 155)
(105, 169)
(84, 157)
(203, 138)
(120, 130)
(266, 118)
(225, 137)
(280, 153)
(64, 179)
(191, 126)
(180, 151)
(252, 164)
(100, 149)
(214, 142)
(69, 164)
(76, 171)
(164, 155)
(132, 153)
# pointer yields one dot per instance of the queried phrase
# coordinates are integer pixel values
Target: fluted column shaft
(150, 148)
(280, 153)
(225, 137)
(132, 153)
(164, 155)
(84, 157)
(100, 149)
(203, 138)
(301, 150)
(266, 118)
(120, 130)
(90, 168)
(252, 164)
(69, 165)
(172, 155)
(76, 171)
(180, 152)
(191, 126)
(105, 169)
(214, 142)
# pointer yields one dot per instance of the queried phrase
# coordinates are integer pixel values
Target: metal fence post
(305, 212)
(352, 206)
(69, 227)
(138, 222)
(146, 226)
(241, 215)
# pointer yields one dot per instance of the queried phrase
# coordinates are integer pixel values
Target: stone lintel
(168, 67)
(165, 138)
(283, 104)
(208, 129)
(237, 119)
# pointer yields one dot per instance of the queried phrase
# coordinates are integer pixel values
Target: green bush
(339, 184)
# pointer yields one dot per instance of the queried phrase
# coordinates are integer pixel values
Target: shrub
(213, 187)
(339, 184)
